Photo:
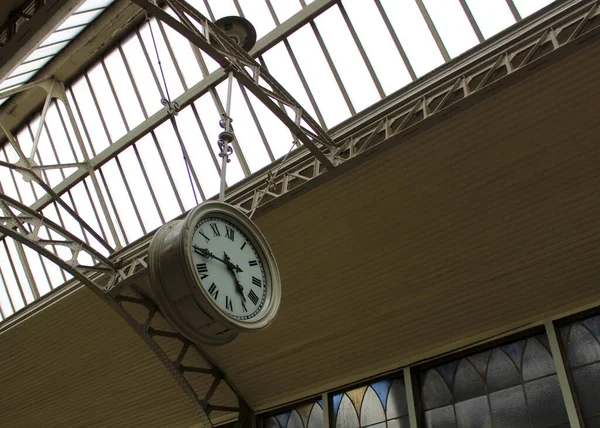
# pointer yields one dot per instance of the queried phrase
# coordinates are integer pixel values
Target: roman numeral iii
(256, 281)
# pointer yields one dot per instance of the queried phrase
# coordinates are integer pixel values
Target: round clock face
(229, 267)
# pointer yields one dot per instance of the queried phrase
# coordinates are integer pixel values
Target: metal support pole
(327, 419)
(225, 138)
(561, 371)
(410, 398)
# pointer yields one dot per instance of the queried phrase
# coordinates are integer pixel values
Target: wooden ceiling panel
(478, 225)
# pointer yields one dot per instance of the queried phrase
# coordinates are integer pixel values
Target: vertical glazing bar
(433, 30)
(149, 62)
(64, 125)
(514, 10)
(563, 379)
(205, 137)
(172, 54)
(263, 137)
(130, 194)
(91, 171)
(132, 80)
(152, 194)
(410, 398)
(36, 140)
(336, 75)
(169, 176)
(362, 51)
(10, 299)
(396, 40)
(27, 270)
(14, 270)
(112, 204)
(472, 20)
(305, 85)
(97, 105)
(326, 410)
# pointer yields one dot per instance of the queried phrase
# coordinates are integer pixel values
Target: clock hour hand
(204, 252)
(232, 268)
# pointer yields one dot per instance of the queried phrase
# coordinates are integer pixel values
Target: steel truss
(112, 276)
(209, 38)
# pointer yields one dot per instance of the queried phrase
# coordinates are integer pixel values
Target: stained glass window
(379, 404)
(308, 415)
(514, 385)
(581, 341)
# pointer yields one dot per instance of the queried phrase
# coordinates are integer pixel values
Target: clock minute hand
(204, 252)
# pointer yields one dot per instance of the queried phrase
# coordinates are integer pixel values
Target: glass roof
(343, 60)
(55, 42)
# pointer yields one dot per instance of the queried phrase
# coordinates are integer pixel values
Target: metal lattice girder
(24, 225)
(206, 386)
(422, 104)
(248, 71)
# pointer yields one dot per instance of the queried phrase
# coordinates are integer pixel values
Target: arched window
(513, 385)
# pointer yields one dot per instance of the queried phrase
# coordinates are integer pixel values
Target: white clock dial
(229, 267)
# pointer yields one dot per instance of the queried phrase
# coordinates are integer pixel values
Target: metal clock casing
(181, 294)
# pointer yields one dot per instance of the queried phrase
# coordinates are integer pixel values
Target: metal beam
(46, 19)
(232, 58)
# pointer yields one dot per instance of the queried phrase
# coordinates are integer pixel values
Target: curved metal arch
(25, 228)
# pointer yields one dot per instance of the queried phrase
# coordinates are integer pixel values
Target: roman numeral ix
(202, 270)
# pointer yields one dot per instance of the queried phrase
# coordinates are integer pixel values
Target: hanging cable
(173, 109)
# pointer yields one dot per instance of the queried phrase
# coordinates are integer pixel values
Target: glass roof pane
(174, 84)
(285, 9)
(45, 51)
(107, 103)
(78, 19)
(159, 180)
(142, 74)
(257, 12)
(320, 80)
(12, 81)
(94, 4)
(492, 16)
(527, 7)
(64, 35)
(452, 24)
(346, 58)
(141, 192)
(414, 35)
(221, 8)
(185, 57)
(123, 203)
(280, 65)
(378, 43)
(124, 88)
